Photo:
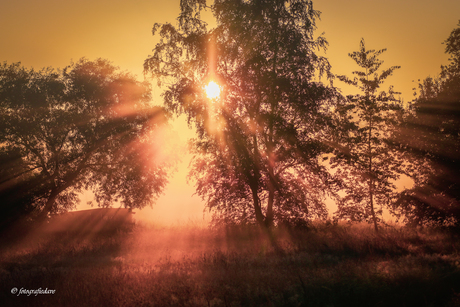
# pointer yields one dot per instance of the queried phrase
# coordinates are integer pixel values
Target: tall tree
(368, 163)
(87, 126)
(431, 135)
(259, 145)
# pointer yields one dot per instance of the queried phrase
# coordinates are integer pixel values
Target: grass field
(335, 265)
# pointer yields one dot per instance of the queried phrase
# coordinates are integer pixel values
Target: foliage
(432, 136)
(367, 162)
(259, 145)
(87, 126)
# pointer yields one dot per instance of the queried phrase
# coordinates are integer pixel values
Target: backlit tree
(431, 135)
(368, 163)
(259, 144)
(87, 126)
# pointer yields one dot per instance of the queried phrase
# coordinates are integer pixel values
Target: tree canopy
(88, 126)
(368, 163)
(431, 135)
(260, 144)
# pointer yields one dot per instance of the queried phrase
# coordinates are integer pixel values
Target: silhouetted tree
(432, 135)
(87, 126)
(367, 162)
(259, 146)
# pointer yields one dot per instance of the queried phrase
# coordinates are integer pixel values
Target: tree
(259, 145)
(367, 162)
(431, 134)
(87, 126)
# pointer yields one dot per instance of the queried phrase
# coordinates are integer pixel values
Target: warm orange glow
(412, 42)
(212, 90)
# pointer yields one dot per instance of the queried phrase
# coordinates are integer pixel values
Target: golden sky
(53, 32)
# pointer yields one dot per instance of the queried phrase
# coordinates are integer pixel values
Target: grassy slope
(324, 266)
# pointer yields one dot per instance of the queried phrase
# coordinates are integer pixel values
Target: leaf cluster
(431, 137)
(87, 126)
(366, 159)
(259, 144)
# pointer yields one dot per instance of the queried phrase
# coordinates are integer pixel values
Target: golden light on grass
(212, 90)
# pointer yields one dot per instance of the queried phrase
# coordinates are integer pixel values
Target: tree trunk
(264, 222)
(269, 214)
(48, 205)
(371, 194)
(371, 179)
(258, 210)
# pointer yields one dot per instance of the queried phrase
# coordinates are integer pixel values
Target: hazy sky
(53, 32)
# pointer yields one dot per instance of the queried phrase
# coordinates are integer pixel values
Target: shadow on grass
(321, 266)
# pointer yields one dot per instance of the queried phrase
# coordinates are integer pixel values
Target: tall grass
(335, 265)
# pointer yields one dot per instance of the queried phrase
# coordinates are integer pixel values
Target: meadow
(323, 265)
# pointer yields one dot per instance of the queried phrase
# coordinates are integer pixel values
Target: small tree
(85, 127)
(259, 145)
(367, 163)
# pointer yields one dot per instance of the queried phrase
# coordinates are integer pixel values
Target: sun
(212, 90)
